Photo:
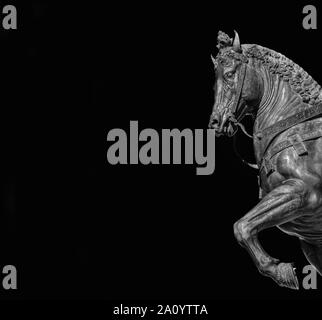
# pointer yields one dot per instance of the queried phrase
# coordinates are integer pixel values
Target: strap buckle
(268, 166)
(298, 144)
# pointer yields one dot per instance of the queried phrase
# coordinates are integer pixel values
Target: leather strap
(291, 121)
(296, 140)
(239, 89)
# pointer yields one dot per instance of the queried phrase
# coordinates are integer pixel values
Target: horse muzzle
(224, 127)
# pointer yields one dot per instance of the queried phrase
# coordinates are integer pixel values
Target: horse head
(237, 86)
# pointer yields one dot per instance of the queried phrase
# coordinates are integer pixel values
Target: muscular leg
(279, 206)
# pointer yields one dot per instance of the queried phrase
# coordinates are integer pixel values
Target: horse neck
(278, 101)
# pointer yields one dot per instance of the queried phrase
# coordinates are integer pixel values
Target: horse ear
(236, 43)
(223, 40)
(213, 61)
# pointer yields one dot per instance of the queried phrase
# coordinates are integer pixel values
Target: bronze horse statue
(286, 106)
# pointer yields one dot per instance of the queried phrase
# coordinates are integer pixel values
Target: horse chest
(288, 157)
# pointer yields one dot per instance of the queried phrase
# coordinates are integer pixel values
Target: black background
(77, 227)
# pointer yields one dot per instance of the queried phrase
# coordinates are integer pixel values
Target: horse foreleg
(279, 206)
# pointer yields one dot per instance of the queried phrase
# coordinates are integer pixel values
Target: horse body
(308, 169)
(278, 103)
(287, 106)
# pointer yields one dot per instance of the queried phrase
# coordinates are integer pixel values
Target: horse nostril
(214, 122)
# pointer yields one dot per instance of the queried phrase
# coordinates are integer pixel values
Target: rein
(252, 165)
(236, 103)
(239, 88)
(240, 117)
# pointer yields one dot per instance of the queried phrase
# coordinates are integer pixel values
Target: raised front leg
(279, 206)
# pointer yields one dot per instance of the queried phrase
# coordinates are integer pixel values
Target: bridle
(235, 116)
(233, 113)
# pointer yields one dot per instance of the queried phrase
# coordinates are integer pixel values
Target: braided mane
(300, 81)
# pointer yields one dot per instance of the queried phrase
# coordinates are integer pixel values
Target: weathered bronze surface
(286, 105)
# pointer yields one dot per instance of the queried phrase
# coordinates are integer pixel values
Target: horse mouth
(229, 128)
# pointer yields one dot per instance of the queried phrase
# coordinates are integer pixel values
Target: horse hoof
(286, 276)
